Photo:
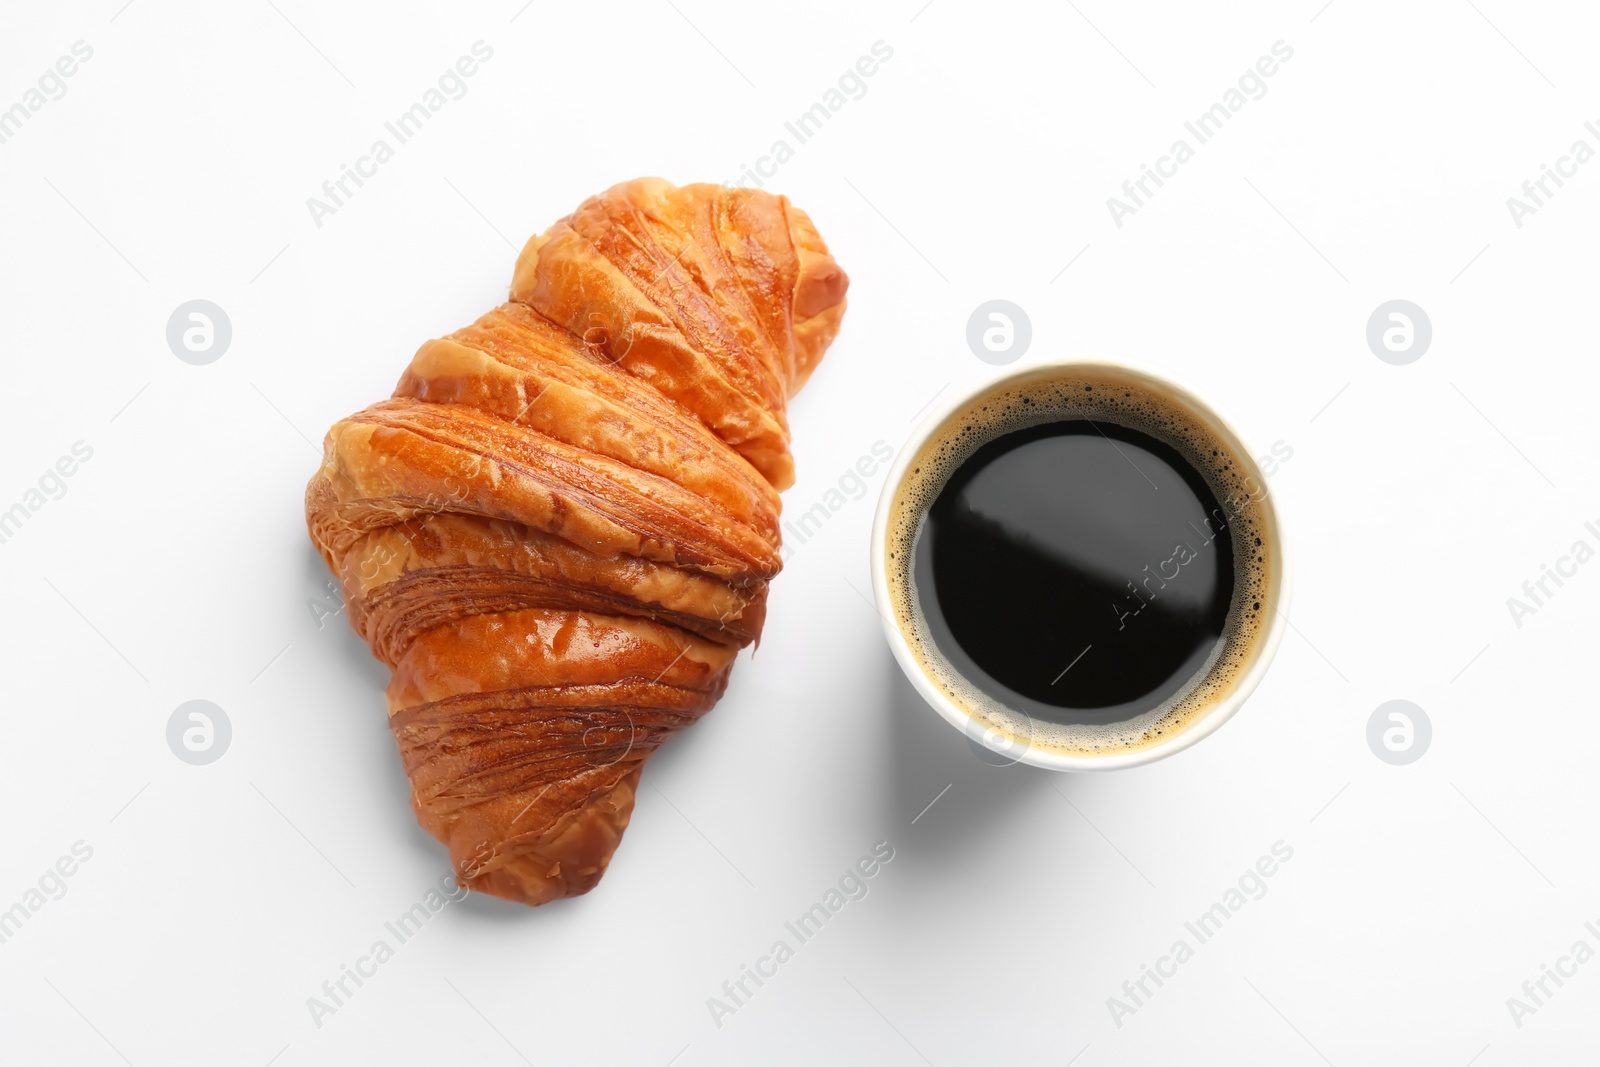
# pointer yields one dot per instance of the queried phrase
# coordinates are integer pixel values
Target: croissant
(559, 530)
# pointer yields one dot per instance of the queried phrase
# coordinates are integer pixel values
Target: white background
(976, 166)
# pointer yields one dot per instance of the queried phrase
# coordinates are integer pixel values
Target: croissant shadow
(483, 908)
(368, 676)
(348, 645)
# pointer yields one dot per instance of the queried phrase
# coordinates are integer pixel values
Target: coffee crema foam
(1124, 398)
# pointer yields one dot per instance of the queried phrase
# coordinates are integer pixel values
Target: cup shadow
(943, 790)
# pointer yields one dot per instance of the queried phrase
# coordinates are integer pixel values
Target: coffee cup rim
(1279, 594)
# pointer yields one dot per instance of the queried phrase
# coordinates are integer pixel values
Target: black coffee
(1080, 561)
(1086, 568)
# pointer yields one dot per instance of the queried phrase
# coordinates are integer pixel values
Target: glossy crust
(558, 532)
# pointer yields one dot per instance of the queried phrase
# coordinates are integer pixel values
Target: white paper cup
(1009, 749)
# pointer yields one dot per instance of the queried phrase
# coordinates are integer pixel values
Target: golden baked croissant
(559, 531)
